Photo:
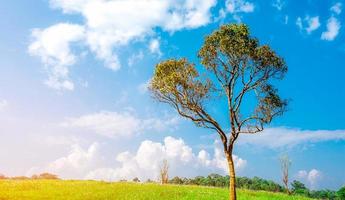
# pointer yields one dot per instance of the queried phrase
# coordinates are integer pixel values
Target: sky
(74, 98)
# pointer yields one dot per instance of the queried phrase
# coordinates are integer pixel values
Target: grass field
(94, 190)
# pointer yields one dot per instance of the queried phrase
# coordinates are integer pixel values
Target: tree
(341, 193)
(136, 180)
(46, 176)
(299, 188)
(238, 68)
(285, 164)
(3, 177)
(163, 172)
(176, 180)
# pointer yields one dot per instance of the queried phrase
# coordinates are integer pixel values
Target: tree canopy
(237, 67)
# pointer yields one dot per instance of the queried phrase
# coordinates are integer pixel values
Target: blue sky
(73, 96)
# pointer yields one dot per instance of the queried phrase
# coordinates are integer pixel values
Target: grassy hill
(95, 190)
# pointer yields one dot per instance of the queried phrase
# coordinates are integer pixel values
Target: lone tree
(163, 172)
(285, 164)
(239, 71)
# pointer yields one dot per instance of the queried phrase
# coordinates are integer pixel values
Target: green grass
(94, 190)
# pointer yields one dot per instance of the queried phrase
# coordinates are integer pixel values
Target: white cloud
(235, 8)
(154, 47)
(312, 177)
(53, 46)
(146, 161)
(285, 137)
(333, 27)
(238, 6)
(313, 24)
(3, 104)
(114, 124)
(110, 25)
(278, 4)
(74, 165)
(336, 8)
(308, 24)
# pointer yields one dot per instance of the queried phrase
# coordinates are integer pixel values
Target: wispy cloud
(236, 8)
(135, 58)
(117, 124)
(308, 24)
(337, 8)
(154, 47)
(286, 137)
(278, 4)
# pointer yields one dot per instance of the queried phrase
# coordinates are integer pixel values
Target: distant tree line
(300, 189)
(46, 176)
(256, 183)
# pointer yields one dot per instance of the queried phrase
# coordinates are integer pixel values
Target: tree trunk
(232, 185)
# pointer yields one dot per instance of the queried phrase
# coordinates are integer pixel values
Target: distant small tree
(136, 179)
(285, 164)
(299, 188)
(238, 70)
(163, 172)
(176, 180)
(47, 176)
(2, 176)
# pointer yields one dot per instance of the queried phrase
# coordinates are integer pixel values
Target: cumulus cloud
(308, 24)
(53, 46)
(312, 177)
(3, 104)
(285, 137)
(333, 27)
(105, 30)
(116, 124)
(333, 23)
(145, 163)
(74, 165)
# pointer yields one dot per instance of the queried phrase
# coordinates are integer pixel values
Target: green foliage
(231, 53)
(341, 193)
(237, 64)
(96, 190)
(217, 180)
(299, 188)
